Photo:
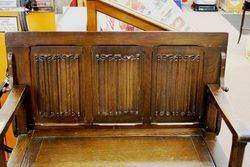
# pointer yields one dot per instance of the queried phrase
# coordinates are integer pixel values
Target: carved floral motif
(117, 57)
(55, 57)
(174, 113)
(65, 114)
(177, 57)
(118, 113)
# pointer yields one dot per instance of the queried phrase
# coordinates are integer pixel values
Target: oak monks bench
(118, 99)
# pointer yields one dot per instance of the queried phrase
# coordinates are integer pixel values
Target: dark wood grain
(125, 80)
(32, 152)
(108, 151)
(146, 89)
(118, 84)
(213, 116)
(10, 106)
(240, 133)
(202, 151)
(56, 83)
(7, 112)
(238, 129)
(237, 153)
(118, 132)
(177, 87)
(215, 149)
(214, 41)
(18, 154)
(92, 16)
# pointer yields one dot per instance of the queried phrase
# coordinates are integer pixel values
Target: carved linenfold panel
(56, 83)
(117, 96)
(177, 77)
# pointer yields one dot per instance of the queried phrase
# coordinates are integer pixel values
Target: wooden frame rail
(123, 14)
(241, 135)
(7, 112)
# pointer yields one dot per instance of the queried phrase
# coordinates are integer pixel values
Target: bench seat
(149, 147)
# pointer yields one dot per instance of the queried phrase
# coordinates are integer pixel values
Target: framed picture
(45, 5)
(8, 3)
(9, 24)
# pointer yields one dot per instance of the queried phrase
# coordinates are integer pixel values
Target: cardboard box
(231, 6)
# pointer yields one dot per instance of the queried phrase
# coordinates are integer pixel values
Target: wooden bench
(118, 99)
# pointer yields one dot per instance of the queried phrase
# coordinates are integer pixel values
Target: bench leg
(2, 156)
(213, 117)
(20, 123)
(237, 153)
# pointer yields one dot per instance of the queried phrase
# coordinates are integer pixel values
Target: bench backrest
(78, 78)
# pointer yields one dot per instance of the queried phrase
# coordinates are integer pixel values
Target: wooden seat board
(117, 132)
(116, 151)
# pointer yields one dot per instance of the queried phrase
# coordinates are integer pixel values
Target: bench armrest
(9, 108)
(240, 132)
(241, 135)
